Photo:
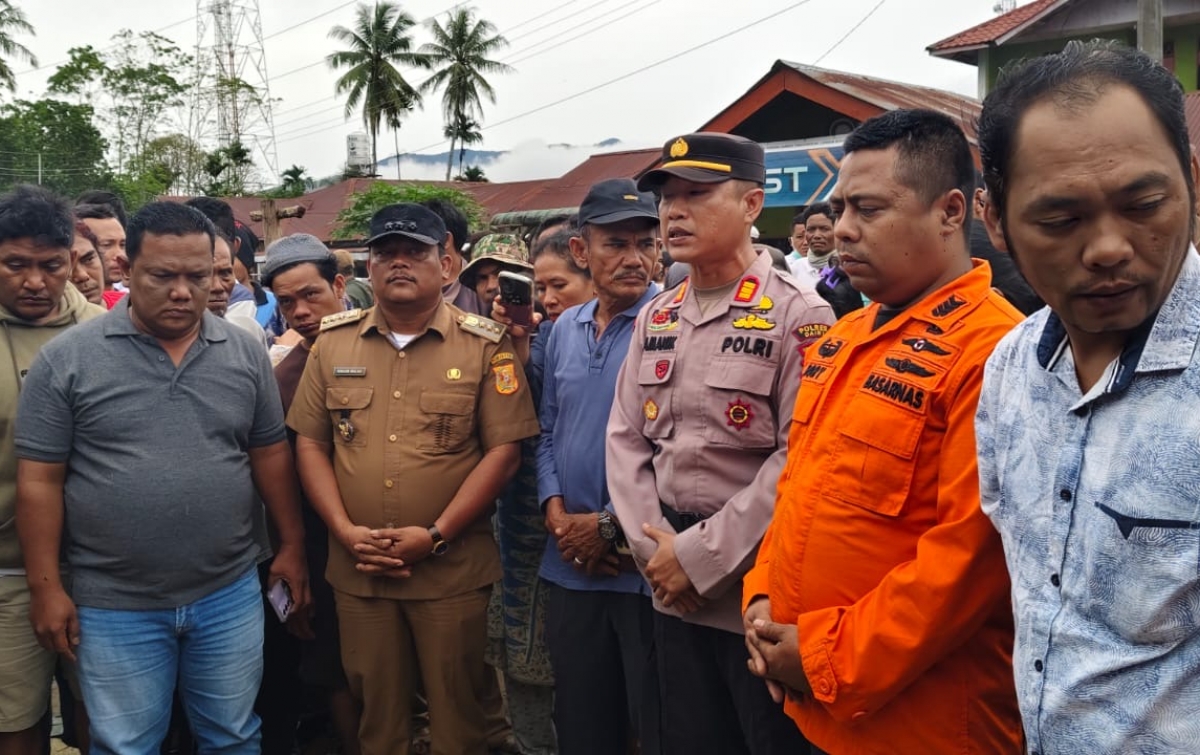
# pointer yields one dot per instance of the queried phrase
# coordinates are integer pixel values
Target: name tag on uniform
(349, 371)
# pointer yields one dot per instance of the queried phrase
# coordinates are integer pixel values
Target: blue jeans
(130, 662)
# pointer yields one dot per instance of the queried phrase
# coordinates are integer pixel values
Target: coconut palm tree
(378, 42)
(461, 54)
(13, 21)
(464, 132)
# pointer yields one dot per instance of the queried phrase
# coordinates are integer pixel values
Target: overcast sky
(559, 48)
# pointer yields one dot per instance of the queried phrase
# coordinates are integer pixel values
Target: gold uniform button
(402, 354)
(345, 400)
(388, 483)
(396, 394)
(392, 438)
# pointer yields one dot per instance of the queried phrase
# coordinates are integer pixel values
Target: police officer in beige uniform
(698, 436)
(410, 417)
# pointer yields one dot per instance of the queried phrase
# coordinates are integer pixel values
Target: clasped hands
(774, 652)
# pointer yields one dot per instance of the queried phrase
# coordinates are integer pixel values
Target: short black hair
(96, 212)
(1076, 77)
(817, 208)
(166, 219)
(327, 268)
(453, 218)
(108, 199)
(798, 219)
(933, 155)
(43, 217)
(558, 244)
(220, 213)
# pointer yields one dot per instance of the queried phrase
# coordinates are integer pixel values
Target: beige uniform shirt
(407, 427)
(700, 422)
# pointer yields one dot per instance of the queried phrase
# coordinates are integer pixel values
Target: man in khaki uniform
(698, 436)
(409, 418)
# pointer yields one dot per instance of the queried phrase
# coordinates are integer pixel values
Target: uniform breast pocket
(738, 411)
(1146, 560)
(875, 458)
(349, 412)
(447, 421)
(654, 374)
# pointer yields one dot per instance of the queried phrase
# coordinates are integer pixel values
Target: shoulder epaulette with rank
(482, 327)
(328, 322)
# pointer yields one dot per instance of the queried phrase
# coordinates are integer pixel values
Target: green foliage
(473, 174)
(461, 56)
(175, 159)
(13, 21)
(226, 169)
(354, 219)
(378, 42)
(134, 86)
(295, 183)
(71, 149)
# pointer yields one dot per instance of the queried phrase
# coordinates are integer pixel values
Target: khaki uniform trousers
(388, 645)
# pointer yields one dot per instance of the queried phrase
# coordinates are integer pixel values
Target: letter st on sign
(800, 175)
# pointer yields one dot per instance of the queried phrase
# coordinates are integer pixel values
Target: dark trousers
(280, 699)
(710, 700)
(600, 647)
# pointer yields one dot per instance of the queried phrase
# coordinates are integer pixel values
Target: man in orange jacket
(878, 609)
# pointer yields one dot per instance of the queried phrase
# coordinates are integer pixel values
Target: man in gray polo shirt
(141, 439)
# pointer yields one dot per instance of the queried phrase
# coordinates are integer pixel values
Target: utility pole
(270, 217)
(1150, 28)
(39, 169)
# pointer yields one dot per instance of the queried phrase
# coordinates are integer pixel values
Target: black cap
(708, 158)
(615, 200)
(409, 220)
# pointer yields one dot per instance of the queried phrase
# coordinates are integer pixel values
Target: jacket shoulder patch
(483, 327)
(329, 322)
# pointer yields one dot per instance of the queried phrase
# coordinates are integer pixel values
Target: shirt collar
(441, 323)
(1166, 342)
(587, 311)
(118, 323)
(747, 292)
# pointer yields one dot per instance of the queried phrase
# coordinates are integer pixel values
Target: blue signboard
(798, 176)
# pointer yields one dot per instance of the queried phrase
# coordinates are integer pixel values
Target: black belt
(680, 520)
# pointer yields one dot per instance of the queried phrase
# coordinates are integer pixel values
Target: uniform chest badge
(506, 379)
(739, 414)
(454, 374)
(345, 429)
(661, 368)
(664, 319)
(650, 409)
(751, 321)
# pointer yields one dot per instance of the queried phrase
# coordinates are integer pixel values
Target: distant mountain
(479, 157)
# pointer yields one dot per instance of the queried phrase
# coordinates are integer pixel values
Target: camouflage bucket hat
(504, 248)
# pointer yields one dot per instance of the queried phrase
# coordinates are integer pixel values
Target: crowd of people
(923, 485)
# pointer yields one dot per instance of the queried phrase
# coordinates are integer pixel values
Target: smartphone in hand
(516, 294)
(280, 598)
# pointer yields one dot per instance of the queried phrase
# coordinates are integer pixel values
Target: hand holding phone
(280, 598)
(516, 294)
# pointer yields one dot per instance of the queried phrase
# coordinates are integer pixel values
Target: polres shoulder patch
(328, 322)
(482, 327)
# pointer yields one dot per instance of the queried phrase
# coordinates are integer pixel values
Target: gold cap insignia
(630, 197)
(454, 374)
(679, 148)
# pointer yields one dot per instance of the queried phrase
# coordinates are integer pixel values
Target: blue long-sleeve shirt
(579, 380)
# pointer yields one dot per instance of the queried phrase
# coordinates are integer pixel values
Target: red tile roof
(323, 205)
(894, 95)
(569, 191)
(994, 29)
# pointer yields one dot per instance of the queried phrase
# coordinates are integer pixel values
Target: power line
(548, 24)
(334, 97)
(593, 30)
(853, 29)
(105, 49)
(308, 20)
(610, 82)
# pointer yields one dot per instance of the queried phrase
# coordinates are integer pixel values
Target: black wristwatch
(607, 526)
(440, 546)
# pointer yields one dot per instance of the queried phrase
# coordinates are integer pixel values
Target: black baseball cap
(708, 158)
(615, 200)
(409, 220)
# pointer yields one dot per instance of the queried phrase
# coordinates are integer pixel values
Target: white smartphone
(280, 598)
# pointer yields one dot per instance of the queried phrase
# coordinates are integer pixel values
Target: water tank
(358, 150)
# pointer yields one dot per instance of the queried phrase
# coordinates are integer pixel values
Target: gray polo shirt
(159, 500)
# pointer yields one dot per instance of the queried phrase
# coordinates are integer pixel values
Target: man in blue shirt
(599, 619)
(1088, 425)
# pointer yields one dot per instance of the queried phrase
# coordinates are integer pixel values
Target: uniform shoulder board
(329, 322)
(482, 327)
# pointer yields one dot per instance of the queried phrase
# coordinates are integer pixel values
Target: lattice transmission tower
(232, 100)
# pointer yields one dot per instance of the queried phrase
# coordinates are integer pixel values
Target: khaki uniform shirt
(700, 423)
(407, 427)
